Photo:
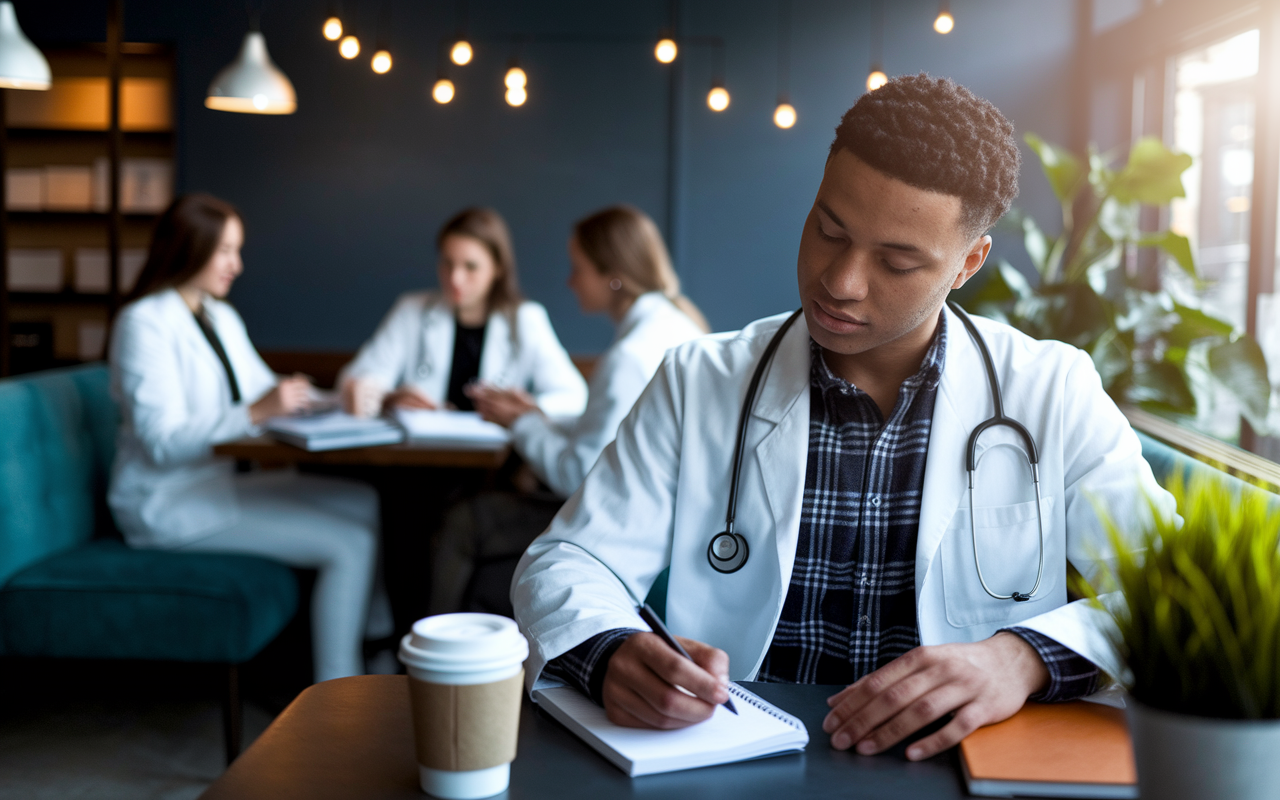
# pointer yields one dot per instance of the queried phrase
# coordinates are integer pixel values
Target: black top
(468, 343)
(206, 327)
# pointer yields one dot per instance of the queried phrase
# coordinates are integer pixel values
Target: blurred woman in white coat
(476, 328)
(620, 267)
(187, 377)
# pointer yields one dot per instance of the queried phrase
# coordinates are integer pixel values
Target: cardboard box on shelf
(35, 270)
(91, 336)
(93, 273)
(68, 188)
(146, 185)
(24, 188)
(80, 103)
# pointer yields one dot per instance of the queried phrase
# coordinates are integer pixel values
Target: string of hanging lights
(460, 52)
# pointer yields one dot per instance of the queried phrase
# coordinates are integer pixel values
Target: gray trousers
(315, 522)
(479, 544)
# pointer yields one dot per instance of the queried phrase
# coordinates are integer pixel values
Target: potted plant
(1152, 348)
(1199, 630)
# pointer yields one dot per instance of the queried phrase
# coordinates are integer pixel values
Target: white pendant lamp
(22, 65)
(252, 84)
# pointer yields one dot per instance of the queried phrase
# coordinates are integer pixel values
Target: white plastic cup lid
(464, 643)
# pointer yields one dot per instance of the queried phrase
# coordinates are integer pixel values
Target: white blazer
(414, 345)
(658, 494)
(560, 453)
(175, 401)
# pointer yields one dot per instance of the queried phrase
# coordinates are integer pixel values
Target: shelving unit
(72, 125)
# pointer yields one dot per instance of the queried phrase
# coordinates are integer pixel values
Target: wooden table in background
(269, 452)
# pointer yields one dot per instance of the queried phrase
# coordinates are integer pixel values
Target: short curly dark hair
(934, 134)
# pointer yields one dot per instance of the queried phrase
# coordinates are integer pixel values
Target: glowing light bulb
(333, 29)
(876, 79)
(666, 51)
(516, 95)
(718, 99)
(461, 53)
(442, 92)
(349, 47)
(260, 101)
(381, 62)
(516, 79)
(944, 23)
(784, 116)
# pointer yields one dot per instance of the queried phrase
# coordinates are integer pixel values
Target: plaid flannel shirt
(850, 608)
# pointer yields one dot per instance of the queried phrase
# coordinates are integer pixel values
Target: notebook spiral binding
(759, 702)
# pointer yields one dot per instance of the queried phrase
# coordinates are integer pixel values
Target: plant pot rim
(1132, 704)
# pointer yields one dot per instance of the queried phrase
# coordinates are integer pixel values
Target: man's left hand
(503, 406)
(982, 683)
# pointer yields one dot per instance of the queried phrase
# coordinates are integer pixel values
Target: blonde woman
(620, 267)
(476, 328)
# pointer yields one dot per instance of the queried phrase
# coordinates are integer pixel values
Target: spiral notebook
(760, 729)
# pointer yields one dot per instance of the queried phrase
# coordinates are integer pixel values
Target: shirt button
(863, 581)
(422, 370)
(864, 621)
(875, 500)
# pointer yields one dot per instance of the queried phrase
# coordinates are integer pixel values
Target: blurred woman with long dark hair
(187, 378)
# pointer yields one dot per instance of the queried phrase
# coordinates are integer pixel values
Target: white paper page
(453, 426)
(723, 732)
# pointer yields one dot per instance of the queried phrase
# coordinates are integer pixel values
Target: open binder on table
(760, 729)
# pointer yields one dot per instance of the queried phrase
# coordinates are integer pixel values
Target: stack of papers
(333, 431)
(455, 428)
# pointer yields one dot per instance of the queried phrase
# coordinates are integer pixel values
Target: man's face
(878, 257)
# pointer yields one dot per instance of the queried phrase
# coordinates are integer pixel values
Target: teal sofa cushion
(106, 600)
(57, 433)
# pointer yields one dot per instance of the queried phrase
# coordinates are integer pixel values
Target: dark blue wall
(342, 199)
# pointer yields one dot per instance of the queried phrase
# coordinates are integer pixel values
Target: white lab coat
(658, 494)
(561, 452)
(166, 487)
(414, 346)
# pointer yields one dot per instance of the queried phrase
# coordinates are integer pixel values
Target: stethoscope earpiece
(727, 552)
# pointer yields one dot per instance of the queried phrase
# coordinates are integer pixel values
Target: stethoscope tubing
(997, 419)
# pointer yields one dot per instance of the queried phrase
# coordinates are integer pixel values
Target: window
(1213, 121)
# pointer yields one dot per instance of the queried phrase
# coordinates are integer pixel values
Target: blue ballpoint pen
(651, 619)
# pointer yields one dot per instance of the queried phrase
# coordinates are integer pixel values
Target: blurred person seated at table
(620, 267)
(477, 327)
(187, 377)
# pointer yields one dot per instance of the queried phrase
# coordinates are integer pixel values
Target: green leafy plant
(1200, 625)
(1151, 349)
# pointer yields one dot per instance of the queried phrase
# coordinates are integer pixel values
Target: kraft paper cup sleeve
(464, 728)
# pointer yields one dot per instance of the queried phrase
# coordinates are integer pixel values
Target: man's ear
(973, 261)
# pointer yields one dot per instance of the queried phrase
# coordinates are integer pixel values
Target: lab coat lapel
(183, 322)
(496, 355)
(782, 455)
(436, 344)
(963, 401)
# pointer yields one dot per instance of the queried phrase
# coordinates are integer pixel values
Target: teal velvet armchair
(68, 592)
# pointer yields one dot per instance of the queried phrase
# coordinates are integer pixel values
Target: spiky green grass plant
(1200, 626)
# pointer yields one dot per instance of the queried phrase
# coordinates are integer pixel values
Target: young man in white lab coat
(853, 498)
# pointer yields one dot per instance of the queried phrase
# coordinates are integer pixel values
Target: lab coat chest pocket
(1010, 555)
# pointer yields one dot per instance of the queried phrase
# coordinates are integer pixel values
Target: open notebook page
(759, 729)
(453, 426)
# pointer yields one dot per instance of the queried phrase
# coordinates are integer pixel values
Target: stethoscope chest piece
(727, 552)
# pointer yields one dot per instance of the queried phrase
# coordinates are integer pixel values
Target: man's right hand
(641, 680)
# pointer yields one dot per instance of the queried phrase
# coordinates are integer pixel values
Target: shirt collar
(927, 377)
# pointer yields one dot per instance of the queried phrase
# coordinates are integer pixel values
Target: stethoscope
(728, 550)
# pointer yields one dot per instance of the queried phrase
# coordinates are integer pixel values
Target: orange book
(1076, 749)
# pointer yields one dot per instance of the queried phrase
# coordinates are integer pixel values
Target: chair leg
(232, 708)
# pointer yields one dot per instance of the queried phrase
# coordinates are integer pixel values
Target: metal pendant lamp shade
(22, 65)
(252, 84)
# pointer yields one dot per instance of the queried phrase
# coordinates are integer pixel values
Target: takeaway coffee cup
(466, 674)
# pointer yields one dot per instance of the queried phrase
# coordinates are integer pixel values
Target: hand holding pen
(652, 620)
